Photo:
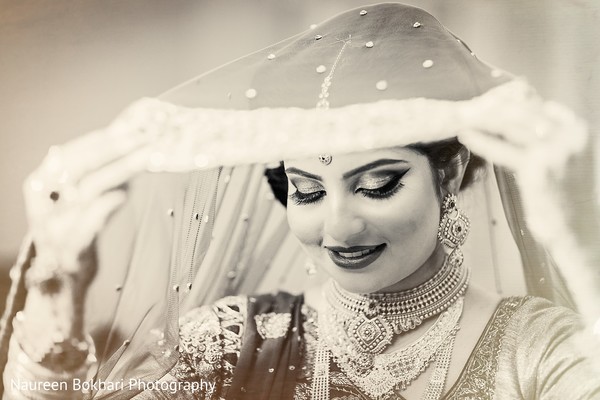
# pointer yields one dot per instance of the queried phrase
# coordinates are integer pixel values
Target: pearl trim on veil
(491, 125)
(191, 138)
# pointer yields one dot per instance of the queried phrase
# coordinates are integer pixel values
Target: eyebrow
(305, 174)
(350, 173)
(371, 165)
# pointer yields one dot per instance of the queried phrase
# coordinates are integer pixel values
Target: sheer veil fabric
(203, 222)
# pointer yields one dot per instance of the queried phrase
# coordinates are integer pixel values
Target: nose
(343, 223)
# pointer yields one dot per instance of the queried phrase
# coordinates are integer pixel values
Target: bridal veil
(203, 223)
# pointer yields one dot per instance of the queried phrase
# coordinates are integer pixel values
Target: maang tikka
(323, 103)
(325, 158)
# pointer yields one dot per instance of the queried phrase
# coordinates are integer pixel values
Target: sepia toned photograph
(300, 200)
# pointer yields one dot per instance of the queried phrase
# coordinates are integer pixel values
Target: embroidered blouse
(526, 351)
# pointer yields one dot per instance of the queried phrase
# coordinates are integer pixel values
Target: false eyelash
(386, 191)
(300, 198)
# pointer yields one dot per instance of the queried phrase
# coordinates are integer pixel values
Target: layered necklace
(355, 329)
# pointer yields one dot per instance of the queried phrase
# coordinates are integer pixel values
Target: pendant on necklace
(372, 334)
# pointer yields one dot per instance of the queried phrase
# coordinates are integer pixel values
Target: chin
(362, 282)
(378, 277)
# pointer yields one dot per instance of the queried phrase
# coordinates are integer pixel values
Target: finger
(32, 187)
(75, 159)
(563, 127)
(113, 175)
(95, 217)
(70, 199)
(519, 125)
(493, 148)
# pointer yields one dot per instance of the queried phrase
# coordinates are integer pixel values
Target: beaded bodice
(477, 377)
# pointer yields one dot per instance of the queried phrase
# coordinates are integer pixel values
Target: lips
(356, 257)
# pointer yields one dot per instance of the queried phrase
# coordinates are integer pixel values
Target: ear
(453, 174)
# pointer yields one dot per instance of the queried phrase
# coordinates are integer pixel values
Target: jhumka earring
(454, 226)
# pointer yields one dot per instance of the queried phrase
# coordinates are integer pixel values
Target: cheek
(410, 222)
(417, 219)
(420, 229)
(409, 228)
(305, 224)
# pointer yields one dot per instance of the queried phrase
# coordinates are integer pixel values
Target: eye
(300, 198)
(387, 190)
(305, 194)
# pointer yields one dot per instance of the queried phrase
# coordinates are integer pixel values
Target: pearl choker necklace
(371, 320)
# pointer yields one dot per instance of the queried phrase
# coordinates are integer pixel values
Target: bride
(381, 117)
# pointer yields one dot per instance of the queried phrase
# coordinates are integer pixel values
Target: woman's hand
(536, 142)
(70, 196)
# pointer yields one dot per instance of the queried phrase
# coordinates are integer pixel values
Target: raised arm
(68, 200)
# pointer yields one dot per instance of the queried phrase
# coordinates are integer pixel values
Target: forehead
(345, 162)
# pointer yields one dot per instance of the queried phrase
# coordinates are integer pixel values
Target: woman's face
(369, 219)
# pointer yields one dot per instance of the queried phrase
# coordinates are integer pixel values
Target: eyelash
(384, 192)
(300, 198)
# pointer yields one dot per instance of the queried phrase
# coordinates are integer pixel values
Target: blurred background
(69, 66)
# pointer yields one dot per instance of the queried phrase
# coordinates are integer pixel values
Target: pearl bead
(381, 85)
(427, 64)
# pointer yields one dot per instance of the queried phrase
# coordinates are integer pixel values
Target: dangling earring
(310, 267)
(454, 226)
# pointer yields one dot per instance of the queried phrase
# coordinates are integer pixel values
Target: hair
(444, 157)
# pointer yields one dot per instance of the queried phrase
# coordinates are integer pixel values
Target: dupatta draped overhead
(203, 223)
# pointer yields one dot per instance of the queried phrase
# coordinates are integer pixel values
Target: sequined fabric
(525, 352)
(210, 343)
(543, 357)
(272, 325)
